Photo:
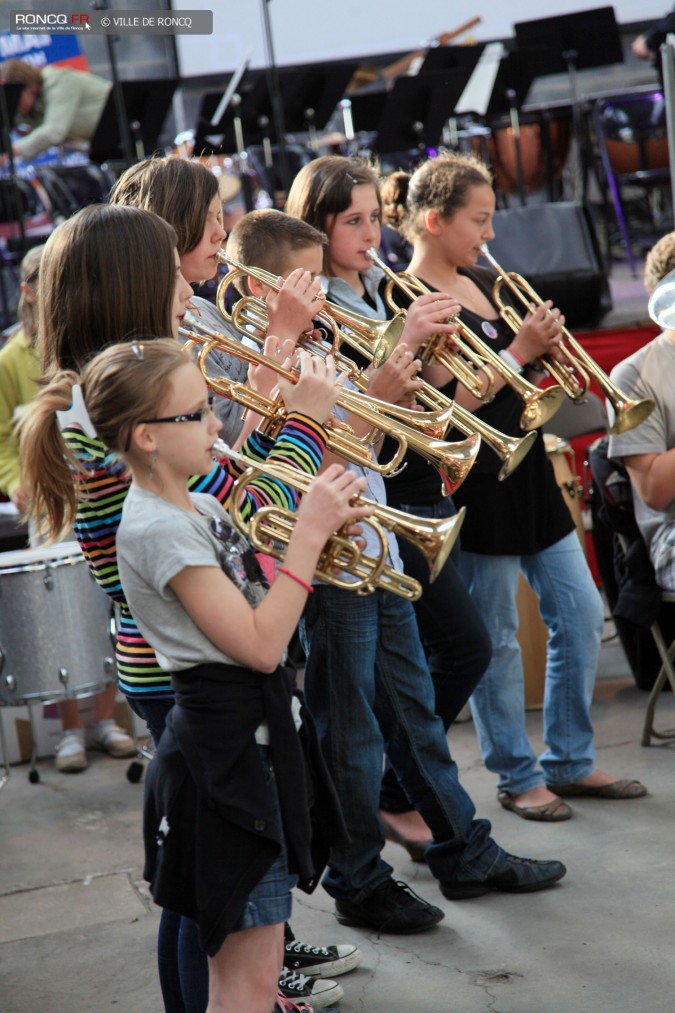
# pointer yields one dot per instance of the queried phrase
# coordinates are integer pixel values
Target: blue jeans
(456, 641)
(455, 638)
(182, 964)
(368, 686)
(572, 610)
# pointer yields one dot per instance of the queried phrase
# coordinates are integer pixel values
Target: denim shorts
(270, 901)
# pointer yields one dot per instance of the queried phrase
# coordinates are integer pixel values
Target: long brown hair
(324, 187)
(125, 382)
(179, 190)
(108, 273)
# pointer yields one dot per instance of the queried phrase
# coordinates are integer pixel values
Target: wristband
(510, 360)
(298, 580)
(517, 357)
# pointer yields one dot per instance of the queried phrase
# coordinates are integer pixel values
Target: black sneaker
(317, 992)
(318, 960)
(392, 907)
(516, 875)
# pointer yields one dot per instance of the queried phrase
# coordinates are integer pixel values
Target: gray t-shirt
(650, 372)
(155, 541)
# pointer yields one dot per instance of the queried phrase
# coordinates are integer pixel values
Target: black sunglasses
(196, 416)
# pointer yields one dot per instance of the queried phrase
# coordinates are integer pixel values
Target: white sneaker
(71, 757)
(318, 992)
(112, 739)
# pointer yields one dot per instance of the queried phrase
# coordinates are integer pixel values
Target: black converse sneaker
(317, 992)
(332, 960)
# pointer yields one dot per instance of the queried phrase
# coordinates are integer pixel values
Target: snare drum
(56, 629)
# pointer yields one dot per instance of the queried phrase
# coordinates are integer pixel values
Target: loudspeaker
(555, 247)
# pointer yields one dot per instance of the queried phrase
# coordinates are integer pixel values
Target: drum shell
(55, 628)
(544, 150)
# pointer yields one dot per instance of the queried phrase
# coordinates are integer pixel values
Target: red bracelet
(298, 580)
(517, 357)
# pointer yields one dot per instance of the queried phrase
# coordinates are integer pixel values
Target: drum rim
(59, 554)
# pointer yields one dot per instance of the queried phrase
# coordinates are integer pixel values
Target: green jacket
(19, 370)
(72, 102)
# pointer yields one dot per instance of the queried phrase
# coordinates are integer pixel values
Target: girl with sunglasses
(229, 767)
(98, 285)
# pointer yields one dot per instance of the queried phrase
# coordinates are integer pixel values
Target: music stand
(463, 58)
(244, 122)
(251, 107)
(416, 110)
(585, 39)
(367, 108)
(575, 42)
(310, 95)
(515, 74)
(146, 104)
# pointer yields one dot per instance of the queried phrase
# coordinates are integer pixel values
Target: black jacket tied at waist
(209, 825)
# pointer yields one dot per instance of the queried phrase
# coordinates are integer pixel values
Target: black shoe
(332, 960)
(316, 992)
(392, 907)
(516, 875)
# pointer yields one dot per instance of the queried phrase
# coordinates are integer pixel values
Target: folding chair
(638, 591)
(666, 673)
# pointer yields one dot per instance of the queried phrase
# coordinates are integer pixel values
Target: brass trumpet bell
(434, 537)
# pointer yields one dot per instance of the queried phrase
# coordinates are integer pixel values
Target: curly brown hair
(442, 183)
(660, 261)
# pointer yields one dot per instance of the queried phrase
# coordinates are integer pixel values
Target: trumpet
(269, 530)
(467, 372)
(406, 427)
(511, 450)
(374, 338)
(578, 368)
(539, 405)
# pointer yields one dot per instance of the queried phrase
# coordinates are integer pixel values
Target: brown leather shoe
(616, 790)
(415, 849)
(549, 812)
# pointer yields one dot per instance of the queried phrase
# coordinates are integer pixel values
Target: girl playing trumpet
(128, 294)
(229, 767)
(342, 198)
(520, 524)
